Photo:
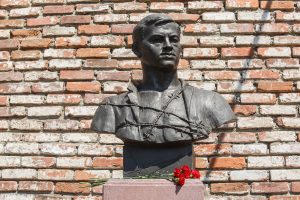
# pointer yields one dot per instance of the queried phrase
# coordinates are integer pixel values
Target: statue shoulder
(200, 93)
(115, 99)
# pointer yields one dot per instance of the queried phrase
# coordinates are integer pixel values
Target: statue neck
(154, 79)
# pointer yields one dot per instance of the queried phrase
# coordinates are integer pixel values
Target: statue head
(156, 41)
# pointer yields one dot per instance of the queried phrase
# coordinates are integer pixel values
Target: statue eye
(174, 39)
(156, 39)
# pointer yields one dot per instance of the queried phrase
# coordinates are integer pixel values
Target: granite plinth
(152, 189)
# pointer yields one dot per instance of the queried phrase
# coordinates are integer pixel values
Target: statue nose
(167, 43)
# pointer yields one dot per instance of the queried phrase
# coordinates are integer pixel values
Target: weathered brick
(80, 111)
(25, 12)
(59, 53)
(253, 40)
(3, 14)
(92, 8)
(245, 63)
(38, 162)
(40, 76)
(47, 87)
(296, 52)
(60, 124)
(37, 186)
(200, 52)
(76, 75)
(216, 41)
(261, 162)
(73, 162)
(183, 17)
(26, 55)
(42, 21)
(19, 174)
(218, 17)
(295, 187)
(237, 52)
(55, 174)
(249, 149)
(95, 150)
(94, 98)
(196, 6)
(221, 75)
(107, 163)
(258, 98)
(93, 87)
(255, 122)
(101, 63)
(277, 5)
(12, 23)
(187, 75)
(123, 53)
(285, 174)
(6, 66)
(78, 19)
(10, 161)
(274, 28)
(4, 34)
(166, 6)
(262, 74)
(130, 7)
(277, 136)
(207, 64)
(285, 148)
(274, 52)
(92, 53)
(8, 186)
(122, 28)
(230, 188)
(113, 75)
(282, 63)
(212, 149)
(240, 28)
(85, 175)
(288, 122)
(66, 9)
(289, 98)
(26, 124)
(292, 161)
(65, 64)
(114, 86)
(93, 29)
(23, 33)
(58, 31)
(9, 44)
(242, 4)
(13, 3)
(107, 41)
(238, 137)
(45, 111)
(201, 162)
(110, 18)
(272, 86)
(201, 28)
(63, 99)
(11, 76)
(245, 110)
(71, 42)
(26, 99)
(67, 187)
(41, 137)
(30, 65)
(249, 175)
(254, 16)
(214, 176)
(14, 88)
(58, 149)
(278, 110)
(270, 188)
(286, 40)
(227, 163)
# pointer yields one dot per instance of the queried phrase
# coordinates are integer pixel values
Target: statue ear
(135, 50)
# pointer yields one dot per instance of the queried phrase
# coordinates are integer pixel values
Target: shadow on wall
(220, 137)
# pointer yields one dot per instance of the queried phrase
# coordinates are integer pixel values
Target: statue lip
(167, 55)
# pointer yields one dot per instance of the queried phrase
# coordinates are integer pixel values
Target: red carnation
(195, 174)
(186, 171)
(181, 180)
(177, 172)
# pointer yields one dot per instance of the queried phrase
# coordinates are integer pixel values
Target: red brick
(38, 162)
(212, 149)
(295, 187)
(76, 75)
(272, 86)
(94, 98)
(26, 55)
(129, 7)
(93, 29)
(8, 186)
(14, 3)
(93, 53)
(277, 5)
(237, 28)
(258, 98)
(66, 187)
(93, 87)
(166, 6)
(46, 2)
(4, 55)
(9, 44)
(101, 63)
(12, 23)
(88, 174)
(35, 43)
(65, 9)
(38, 186)
(230, 188)
(55, 174)
(245, 110)
(43, 21)
(59, 53)
(3, 14)
(3, 100)
(237, 52)
(11, 76)
(129, 64)
(184, 17)
(285, 197)
(241, 4)
(296, 51)
(26, 33)
(108, 163)
(262, 74)
(200, 28)
(71, 42)
(201, 163)
(283, 63)
(78, 19)
(122, 28)
(47, 87)
(221, 75)
(270, 188)
(63, 98)
(92, 8)
(227, 163)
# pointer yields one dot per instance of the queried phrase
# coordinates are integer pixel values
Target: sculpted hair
(150, 20)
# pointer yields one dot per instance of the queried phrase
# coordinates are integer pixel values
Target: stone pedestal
(152, 189)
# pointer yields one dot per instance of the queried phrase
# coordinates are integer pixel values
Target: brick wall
(60, 58)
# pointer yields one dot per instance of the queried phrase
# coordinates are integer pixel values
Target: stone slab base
(152, 189)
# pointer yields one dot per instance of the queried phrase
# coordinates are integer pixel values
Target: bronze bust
(160, 116)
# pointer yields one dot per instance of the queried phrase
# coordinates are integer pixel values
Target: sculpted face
(160, 47)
